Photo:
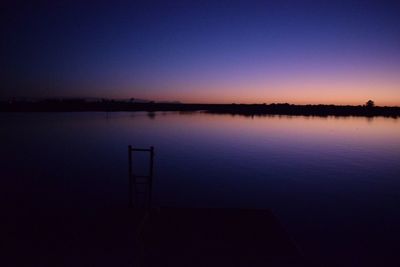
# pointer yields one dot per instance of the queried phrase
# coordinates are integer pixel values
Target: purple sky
(243, 52)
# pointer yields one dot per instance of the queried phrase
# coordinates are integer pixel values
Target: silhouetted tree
(370, 104)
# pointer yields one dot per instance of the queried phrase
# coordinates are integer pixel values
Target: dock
(160, 237)
(215, 237)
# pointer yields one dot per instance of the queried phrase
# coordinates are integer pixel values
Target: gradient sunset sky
(330, 52)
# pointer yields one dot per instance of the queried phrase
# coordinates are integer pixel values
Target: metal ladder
(138, 182)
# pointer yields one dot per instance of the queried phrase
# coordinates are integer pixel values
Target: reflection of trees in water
(151, 114)
(370, 119)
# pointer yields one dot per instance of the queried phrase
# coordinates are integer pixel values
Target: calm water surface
(333, 182)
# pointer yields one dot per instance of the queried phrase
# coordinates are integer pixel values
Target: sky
(301, 52)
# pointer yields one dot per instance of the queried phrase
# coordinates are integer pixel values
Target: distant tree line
(54, 105)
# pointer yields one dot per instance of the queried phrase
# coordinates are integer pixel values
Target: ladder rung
(138, 189)
(140, 176)
(140, 149)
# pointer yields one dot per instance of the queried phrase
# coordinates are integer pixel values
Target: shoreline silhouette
(81, 105)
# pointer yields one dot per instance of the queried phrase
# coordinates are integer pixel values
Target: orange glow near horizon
(337, 86)
(294, 92)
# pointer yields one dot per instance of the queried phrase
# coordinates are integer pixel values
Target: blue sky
(341, 52)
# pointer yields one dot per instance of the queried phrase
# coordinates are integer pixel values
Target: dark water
(333, 182)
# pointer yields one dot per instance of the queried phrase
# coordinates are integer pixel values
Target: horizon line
(148, 101)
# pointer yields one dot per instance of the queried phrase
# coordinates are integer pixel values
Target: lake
(333, 182)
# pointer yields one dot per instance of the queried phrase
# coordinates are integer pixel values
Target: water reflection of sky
(341, 174)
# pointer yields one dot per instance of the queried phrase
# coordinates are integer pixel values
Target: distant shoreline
(233, 109)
